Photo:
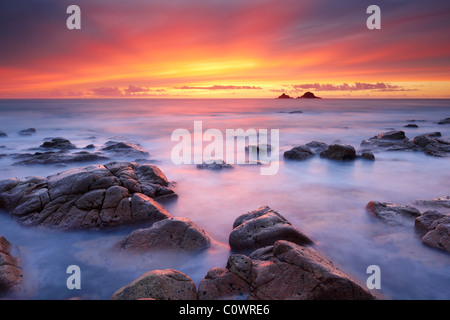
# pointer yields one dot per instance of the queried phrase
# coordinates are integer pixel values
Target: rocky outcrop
(435, 228)
(124, 149)
(339, 152)
(10, 272)
(58, 143)
(388, 141)
(262, 227)
(284, 96)
(308, 95)
(165, 284)
(440, 203)
(96, 196)
(393, 214)
(284, 271)
(60, 158)
(168, 234)
(302, 152)
(444, 121)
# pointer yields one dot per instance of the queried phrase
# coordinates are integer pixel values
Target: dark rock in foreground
(308, 95)
(393, 214)
(10, 272)
(299, 153)
(165, 284)
(168, 234)
(339, 152)
(96, 196)
(262, 227)
(284, 271)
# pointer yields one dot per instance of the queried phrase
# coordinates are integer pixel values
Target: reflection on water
(324, 199)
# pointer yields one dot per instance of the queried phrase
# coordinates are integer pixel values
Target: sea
(324, 199)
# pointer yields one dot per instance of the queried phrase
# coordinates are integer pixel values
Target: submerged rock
(10, 270)
(299, 153)
(96, 196)
(368, 155)
(165, 284)
(124, 149)
(3, 134)
(215, 164)
(411, 125)
(58, 143)
(393, 214)
(283, 271)
(27, 132)
(262, 227)
(168, 234)
(339, 152)
(444, 121)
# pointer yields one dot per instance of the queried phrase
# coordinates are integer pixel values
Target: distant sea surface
(324, 199)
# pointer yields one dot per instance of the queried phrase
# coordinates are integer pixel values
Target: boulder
(368, 155)
(214, 164)
(444, 121)
(339, 152)
(388, 141)
(393, 214)
(424, 139)
(168, 234)
(58, 143)
(3, 134)
(27, 132)
(299, 153)
(96, 196)
(165, 284)
(439, 234)
(10, 272)
(262, 227)
(124, 149)
(283, 271)
(424, 222)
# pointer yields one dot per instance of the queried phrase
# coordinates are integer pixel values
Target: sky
(224, 49)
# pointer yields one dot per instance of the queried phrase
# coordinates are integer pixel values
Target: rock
(295, 111)
(284, 96)
(368, 155)
(10, 272)
(214, 164)
(58, 143)
(308, 95)
(165, 284)
(299, 153)
(393, 214)
(96, 196)
(439, 234)
(284, 271)
(262, 227)
(124, 149)
(339, 152)
(389, 141)
(424, 222)
(411, 125)
(27, 132)
(3, 134)
(90, 146)
(441, 202)
(444, 121)
(424, 139)
(60, 157)
(168, 234)
(317, 146)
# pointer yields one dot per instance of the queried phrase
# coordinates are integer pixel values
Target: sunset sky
(224, 49)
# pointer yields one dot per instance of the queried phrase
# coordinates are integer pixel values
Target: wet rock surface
(96, 196)
(391, 213)
(167, 284)
(10, 269)
(262, 227)
(339, 152)
(283, 271)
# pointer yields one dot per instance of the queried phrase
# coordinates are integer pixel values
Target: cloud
(107, 92)
(357, 86)
(217, 87)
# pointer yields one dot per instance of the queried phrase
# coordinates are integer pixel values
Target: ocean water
(324, 199)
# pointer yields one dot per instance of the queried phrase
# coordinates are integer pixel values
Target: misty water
(325, 199)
